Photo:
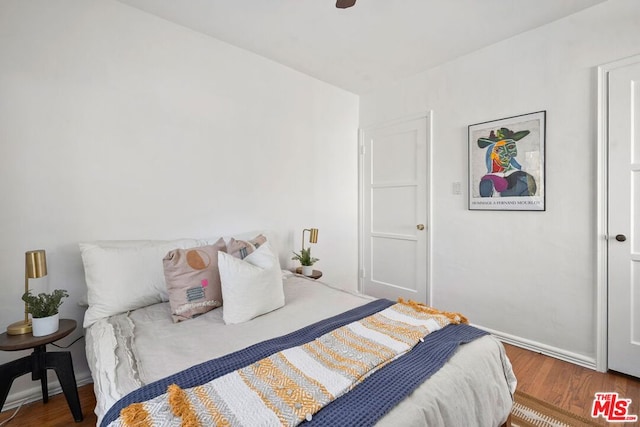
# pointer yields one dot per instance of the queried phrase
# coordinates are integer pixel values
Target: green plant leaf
(44, 305)
(304, 257)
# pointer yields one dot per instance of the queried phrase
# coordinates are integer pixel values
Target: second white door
(624, 220)
(394, 198)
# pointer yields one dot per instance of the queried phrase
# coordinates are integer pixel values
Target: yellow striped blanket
(290, 386)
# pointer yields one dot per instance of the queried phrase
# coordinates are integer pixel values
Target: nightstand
(38, 362)
(315, 275)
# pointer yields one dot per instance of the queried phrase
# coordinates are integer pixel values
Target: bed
(133, 339)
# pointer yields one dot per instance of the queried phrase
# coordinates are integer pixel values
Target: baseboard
(34, 393)
(547, 350)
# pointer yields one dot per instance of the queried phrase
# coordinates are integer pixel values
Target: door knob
(420, 227)
(621, 237)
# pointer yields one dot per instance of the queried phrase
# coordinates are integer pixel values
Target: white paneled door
(394, 198)
(624, 220)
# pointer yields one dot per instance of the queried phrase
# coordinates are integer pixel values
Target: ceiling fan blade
(343, 4)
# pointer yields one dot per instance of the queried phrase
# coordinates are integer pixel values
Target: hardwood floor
(54, 413)
(569, 386)
(563, 384)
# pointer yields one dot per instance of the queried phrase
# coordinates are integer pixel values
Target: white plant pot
(307, 270)
(45, 325)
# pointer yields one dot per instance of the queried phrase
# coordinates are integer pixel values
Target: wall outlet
(456, 188)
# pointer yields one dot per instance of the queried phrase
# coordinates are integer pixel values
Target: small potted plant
(44, 311)
(306, 261)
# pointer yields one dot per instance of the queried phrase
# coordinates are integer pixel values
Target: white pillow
(251, 286)
(125, 275)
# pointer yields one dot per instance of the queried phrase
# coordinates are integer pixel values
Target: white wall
(531, 275)
(115, 124)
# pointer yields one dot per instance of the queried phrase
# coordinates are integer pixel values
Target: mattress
(129, 350)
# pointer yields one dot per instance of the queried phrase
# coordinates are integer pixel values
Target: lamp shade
(313, 235)
(36, 264)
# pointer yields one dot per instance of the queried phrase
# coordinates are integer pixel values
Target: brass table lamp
(313, 235)
(35, 268)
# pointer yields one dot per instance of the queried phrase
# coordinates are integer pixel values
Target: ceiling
(375, 42)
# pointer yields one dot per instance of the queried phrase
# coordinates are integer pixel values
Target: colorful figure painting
(506, 163)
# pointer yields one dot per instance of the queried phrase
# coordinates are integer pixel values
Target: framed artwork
(506, 164)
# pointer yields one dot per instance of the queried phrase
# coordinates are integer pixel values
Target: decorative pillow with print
(242, 248)
(193, 280)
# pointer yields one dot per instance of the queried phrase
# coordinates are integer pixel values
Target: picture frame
(507, 163)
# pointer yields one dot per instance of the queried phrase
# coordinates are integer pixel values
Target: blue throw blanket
(365, 404)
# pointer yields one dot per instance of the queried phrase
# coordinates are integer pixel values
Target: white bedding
(130, 350)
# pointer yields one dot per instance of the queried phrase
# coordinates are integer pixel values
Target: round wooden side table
(315, 275)
(38, 362)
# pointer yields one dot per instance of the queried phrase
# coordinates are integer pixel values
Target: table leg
(63, 365)
(44, 386)
(9, 372)
(39, 370)
(38, 363)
